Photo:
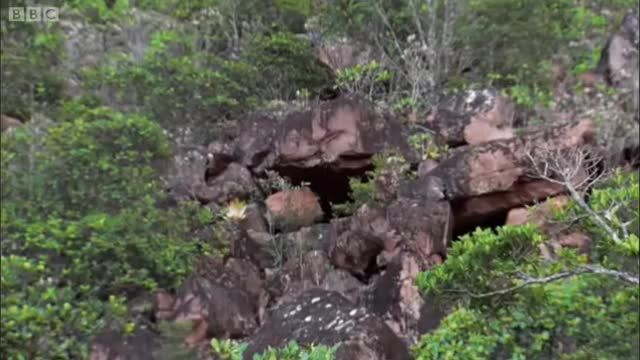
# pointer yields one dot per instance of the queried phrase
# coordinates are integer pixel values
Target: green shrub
(29, 66)
(230, 350)
(178, 86)
(425, 145)
(367, 80)
(285, 64)
(365, 191)
(81, 223)
(97, 10)
(508, 301)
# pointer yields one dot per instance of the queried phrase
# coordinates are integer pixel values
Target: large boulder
(341, 134)
(235, 182)
(327, 318)
(221, 300)
(357, 241)
(371, 238)
(559, 235)
(311, 270)
(259, 243)
(485, 179)
(473, 117)
(423, 228)
(293, 209)
(395, 297)
(7, 123)
(619, 59)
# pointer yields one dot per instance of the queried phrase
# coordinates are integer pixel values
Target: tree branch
(566, 167)
(585, 269)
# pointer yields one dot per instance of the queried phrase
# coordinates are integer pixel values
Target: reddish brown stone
(294, 209)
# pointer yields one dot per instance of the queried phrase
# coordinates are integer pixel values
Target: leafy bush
(432, 45)
(365, 191)
(203, 90)
(230, 350)
(509, 302)
(30, 58)
(81, 223)
(426, 146)
(367, 80)
(98, 11)
(286, 63)
(516, 37)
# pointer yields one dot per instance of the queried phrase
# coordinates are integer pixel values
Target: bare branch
(623, 276)
(575, 169)
(527, 282)
(586, 269)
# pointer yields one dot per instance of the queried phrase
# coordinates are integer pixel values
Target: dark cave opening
(330, 185)
(463, 225)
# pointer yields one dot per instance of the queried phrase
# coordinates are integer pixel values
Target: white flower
(235, 210)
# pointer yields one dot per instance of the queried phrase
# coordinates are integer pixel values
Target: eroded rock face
(221, 300)
(343, 282)
(259, 244)
(7, 123)
(374, 236)
(426, 166)
(324, 317)
(537, 215)
(473, 117)
(619, 60)
(423, 227)
(356, 241)
(499, 165)
(559, 236)
(488, 178)
(396, 298)
(235, 182)
(293, 209)
(341, 134)
(87, 45)
(301, 273)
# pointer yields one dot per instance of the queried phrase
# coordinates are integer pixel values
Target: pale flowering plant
(235, 210)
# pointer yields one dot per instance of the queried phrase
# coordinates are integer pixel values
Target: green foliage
(30, 58)
(365, 191)
(362, 192)
(367, 80)
(97, 10)
(509, 302)
(480, 251)
(35, 307)
(203, 89)
(569, 320)
(425, 145)
(228, 349)
(519, 33)
(513, 41)
(617, 201)
(295, 352)
(82, 221)
(172, 345)
(286, 64)
(231, 350)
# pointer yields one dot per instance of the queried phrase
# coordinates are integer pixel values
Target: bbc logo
(33, 14)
